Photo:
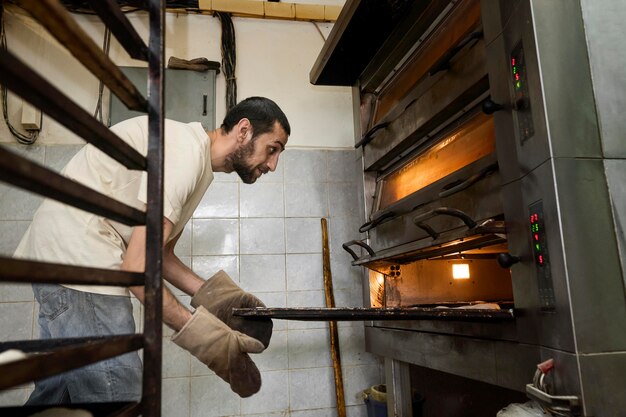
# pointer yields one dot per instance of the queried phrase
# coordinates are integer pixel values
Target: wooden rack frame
(54, 356)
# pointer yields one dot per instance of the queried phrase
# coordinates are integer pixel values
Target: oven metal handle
(441, 211)
(454, 187)
(364, 245)
(369, 136)
(376, 221)
(444, 63)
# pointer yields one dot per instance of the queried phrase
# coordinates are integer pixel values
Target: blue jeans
(64, 312)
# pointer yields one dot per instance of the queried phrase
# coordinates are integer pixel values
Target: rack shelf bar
(69, 357)
(16, 270)
(30, 176)
(25, 82)
(357, 314)
(112, 16)
(57, 20)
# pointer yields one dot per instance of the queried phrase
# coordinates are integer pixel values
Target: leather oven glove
(223, 350)
(219, 295)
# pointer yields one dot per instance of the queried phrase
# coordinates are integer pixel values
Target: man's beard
(237, 162)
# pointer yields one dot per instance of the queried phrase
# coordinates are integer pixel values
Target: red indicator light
(536, 237)
(512, 61)
(540, 259)
(517, 77)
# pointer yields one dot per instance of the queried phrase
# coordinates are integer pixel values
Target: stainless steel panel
(399, 396)
(457, 88)
(559, 84)
(604, 27)
(550, 328)
(473, 358)
(591, 255)
(604, 383)
(189, 96)
(615, 171)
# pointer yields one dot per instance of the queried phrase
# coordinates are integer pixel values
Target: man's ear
(244, 130)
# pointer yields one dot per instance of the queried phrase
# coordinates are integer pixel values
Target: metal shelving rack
(53, 356)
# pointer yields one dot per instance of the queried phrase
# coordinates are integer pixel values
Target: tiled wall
(267, 236)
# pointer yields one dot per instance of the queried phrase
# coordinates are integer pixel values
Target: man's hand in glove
(219, 295)
(223, 350)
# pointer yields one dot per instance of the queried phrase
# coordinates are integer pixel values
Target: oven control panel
(521, 97)
(540, 255)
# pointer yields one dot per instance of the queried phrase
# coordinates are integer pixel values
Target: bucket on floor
(376, 401)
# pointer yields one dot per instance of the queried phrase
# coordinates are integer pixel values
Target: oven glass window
(472, 141)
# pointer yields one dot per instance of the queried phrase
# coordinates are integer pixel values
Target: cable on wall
(106, 45)
(229, 58)
(19, 136)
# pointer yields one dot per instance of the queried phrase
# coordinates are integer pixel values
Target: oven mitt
(223, 350)
(219, 295)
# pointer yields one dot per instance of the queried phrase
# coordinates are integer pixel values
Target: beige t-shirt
(63, 234)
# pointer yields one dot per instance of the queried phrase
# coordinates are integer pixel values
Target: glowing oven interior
(472, 141)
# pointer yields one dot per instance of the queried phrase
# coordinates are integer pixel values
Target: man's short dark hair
(262, 112)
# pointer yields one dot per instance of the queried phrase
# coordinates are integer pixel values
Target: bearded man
(249, 142)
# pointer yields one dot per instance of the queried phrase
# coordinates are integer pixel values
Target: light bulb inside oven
(460, 271)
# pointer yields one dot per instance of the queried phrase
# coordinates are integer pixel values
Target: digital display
(521, 97)
(539, 246)
(537, 236)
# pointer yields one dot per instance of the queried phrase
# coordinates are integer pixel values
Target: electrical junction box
(189, 96)
(31, 117)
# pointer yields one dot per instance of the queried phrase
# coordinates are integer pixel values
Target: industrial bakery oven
(493, 172)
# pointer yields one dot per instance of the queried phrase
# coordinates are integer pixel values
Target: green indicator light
(518, 84)
(514, 70)
(538, 247)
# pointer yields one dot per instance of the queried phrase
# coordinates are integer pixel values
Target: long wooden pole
(332, 325)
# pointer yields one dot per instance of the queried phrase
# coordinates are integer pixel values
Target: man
(249, 142)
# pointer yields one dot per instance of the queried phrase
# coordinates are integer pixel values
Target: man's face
(258, 155)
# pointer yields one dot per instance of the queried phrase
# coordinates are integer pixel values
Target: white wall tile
(343, 166)
(215, 237)
(212, 397)
(262, 200)
(183, 244)
(343, 199)
(273, 396)
(10, 292)
(275, 357)
(309, 348)
(207, 266)
(306, 200)
(176, 360)
(262, 236)
(11, 232)
(14, 397)
(175, 397)
(16, 321)
(17, 204)
(305, 272)
(221, 200)
(358, 378)
(311, 388)
(302, 166)
(303, 235)
(262, 273)
(58, 156)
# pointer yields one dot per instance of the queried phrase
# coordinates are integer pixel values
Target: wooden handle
(334, 333)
